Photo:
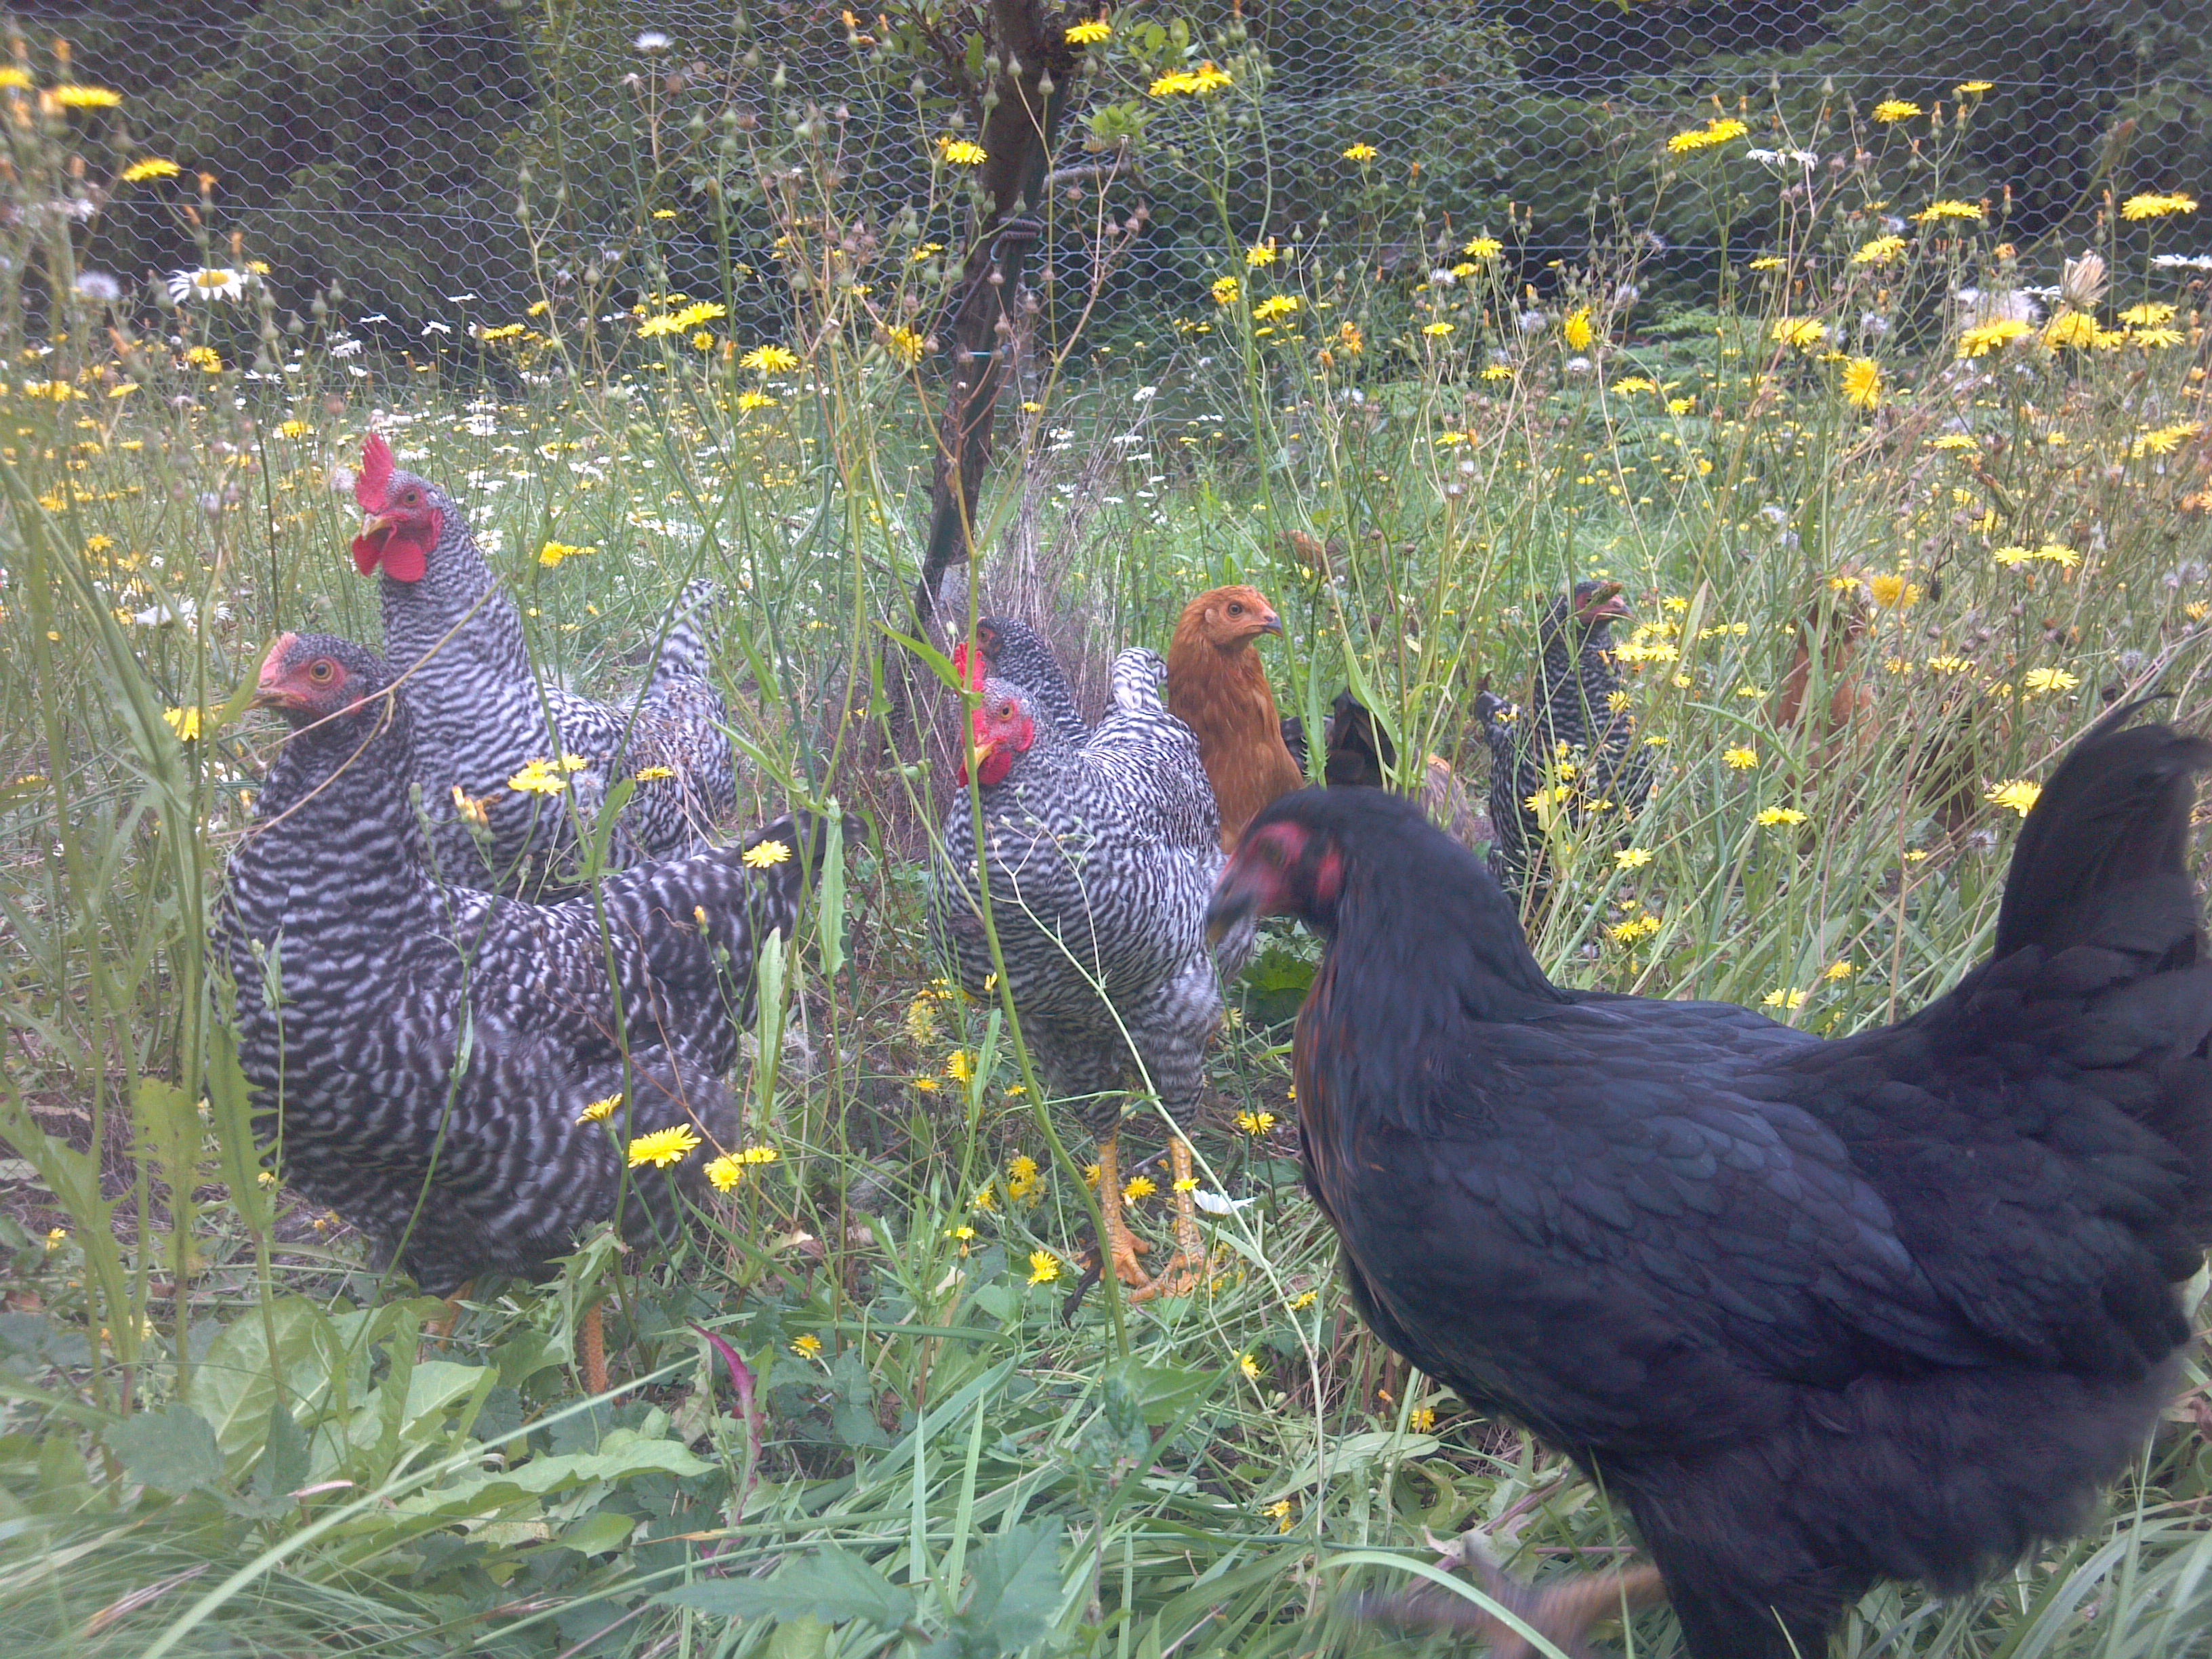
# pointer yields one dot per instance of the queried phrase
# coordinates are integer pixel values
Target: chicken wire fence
(438, 166)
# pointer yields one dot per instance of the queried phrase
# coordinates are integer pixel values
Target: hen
(1014, 652)
(1217, 687)
(1575, 743)
(482, 714)
(1819, 1313)
(423, 1057)
(1100, 862)
(1361, 756)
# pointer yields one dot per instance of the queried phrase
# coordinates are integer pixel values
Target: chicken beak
(1273, 624)
(1235, 898)
(373, 522)
(980, 752)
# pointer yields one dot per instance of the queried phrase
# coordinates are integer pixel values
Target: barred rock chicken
(1818, 1313)
(482, 714)
(1013, 651)
(1217, 687)
(1575, 716)
(422, 1056)
(1100, 860)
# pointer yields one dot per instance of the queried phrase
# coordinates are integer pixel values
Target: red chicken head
(313, 676)
(1002, 731)
(1290, 861)
(402, 521)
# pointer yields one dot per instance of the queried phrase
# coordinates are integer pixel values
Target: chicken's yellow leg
(1120, 1248)
(1188, 1265)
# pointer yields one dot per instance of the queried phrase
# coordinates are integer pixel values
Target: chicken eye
(321, 671)
(1236, 607)
(410, 499)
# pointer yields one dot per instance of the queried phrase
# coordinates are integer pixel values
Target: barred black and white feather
(1100, 861)
(483, 714)
(421, 1055)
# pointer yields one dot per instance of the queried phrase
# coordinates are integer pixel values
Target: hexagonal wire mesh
(381, 151)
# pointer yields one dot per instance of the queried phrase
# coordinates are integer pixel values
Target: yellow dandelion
(72, 97)
(1255, 1123)
(961, 152)
(1972, 89)
(1360, 153)
(1225, 289)
(2072, 331)
(1205, 78)
(1863, 383)
(1782, 999)
(905, 346)
(663, 1147)
(1632, 858)
(959, 1067)
(2157, 206)
(765, 855)
(1895, 109)
(1274, 306)
(1937, 212)
(2017, 795)
(1803, 332)
(1249, 1365)
(1837, 971)
(1771, 816)
(1044, 1267)
(749, 400)
(1739, 759)
(725, 1173)
(554, 552)
(1885, 589)
(1483, 247)
(1279, 1512)
(806, 1346)
(1879, 251)
(1437, 329)
(185, 722)
(153, 166)
(1985, 337)
(769, 360)
(2148, 314)
(2048, 679)
(1705, 137)
(1768, 262)
(1137, 1188)
(1260, 254)
(1576, 330)
(1089, 34)
(653, 773)
(538, 777)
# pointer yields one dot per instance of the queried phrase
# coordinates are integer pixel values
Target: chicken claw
(1186, 1269)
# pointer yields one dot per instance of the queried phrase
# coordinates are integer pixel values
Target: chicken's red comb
(373, 481)
(970, 668)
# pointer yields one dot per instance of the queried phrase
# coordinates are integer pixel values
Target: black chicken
(1575, 739)
(1820, 1313)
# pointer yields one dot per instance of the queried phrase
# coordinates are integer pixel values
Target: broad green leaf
(831, 1584)
(173, 1450)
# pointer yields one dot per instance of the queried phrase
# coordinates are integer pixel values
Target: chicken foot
(1560, 1612)
(1186, 1266)
(1119, 1248)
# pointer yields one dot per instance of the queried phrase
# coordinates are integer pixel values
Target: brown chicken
(1830, 631)
(1217, 687)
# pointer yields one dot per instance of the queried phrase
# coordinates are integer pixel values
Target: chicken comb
(970, 668)
(373, 484)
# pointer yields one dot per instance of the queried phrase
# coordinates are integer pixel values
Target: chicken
(1100, 862)
(1361, 754)
(1013, 651)
(1217, 687)
(1575, 744)
(482, 714)
(1830, 703)
(1818, 1313)
(424, 1058)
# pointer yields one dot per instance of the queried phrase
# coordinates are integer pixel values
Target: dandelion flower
(1740, 759)
(2073, 330)
(653, 773)
(185, 722)
(1766, 262)
(1937, 212)
(1803, 332)
(762, 855)
(1632, 858)
(1483, 247)
(1863, 383)
(1089, 34)
(1255, 1123)
(1782, 999)
(1771, 816)
(2150, 206)
(1225, 289)
(1280, 1512)
(1887, 588)
(1985, 337)
(2148, 315)
(806, 1346)
(749, 401)
(553, 552)
(2018, 795)
(153, 166)
(1249, 1365)
(961, 152)
(1972, 89)
(1360, 153)
(1705, 137)
(2154, 337)
(1274, 306)
(1437, 329)
(1576, 330)
(1879, 251)
(959, 1066)
(1895, 109)
(2048, 679)
(1136, 1187)
(72, 97)
(725, 1172)
(769, 360)
(1044, 1267)
(1205, 78)
(538, 777)
(663, 1147)
(905, 346)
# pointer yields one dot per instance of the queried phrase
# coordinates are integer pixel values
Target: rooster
(1217, 687)
(424, 1059)
(1100, 860)
(1013, 651)
(1818, 1313)
(481, 715)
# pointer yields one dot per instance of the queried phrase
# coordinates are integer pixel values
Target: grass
(221, 1435)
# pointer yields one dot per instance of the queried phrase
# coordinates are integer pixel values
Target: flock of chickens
(1818, 1313)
